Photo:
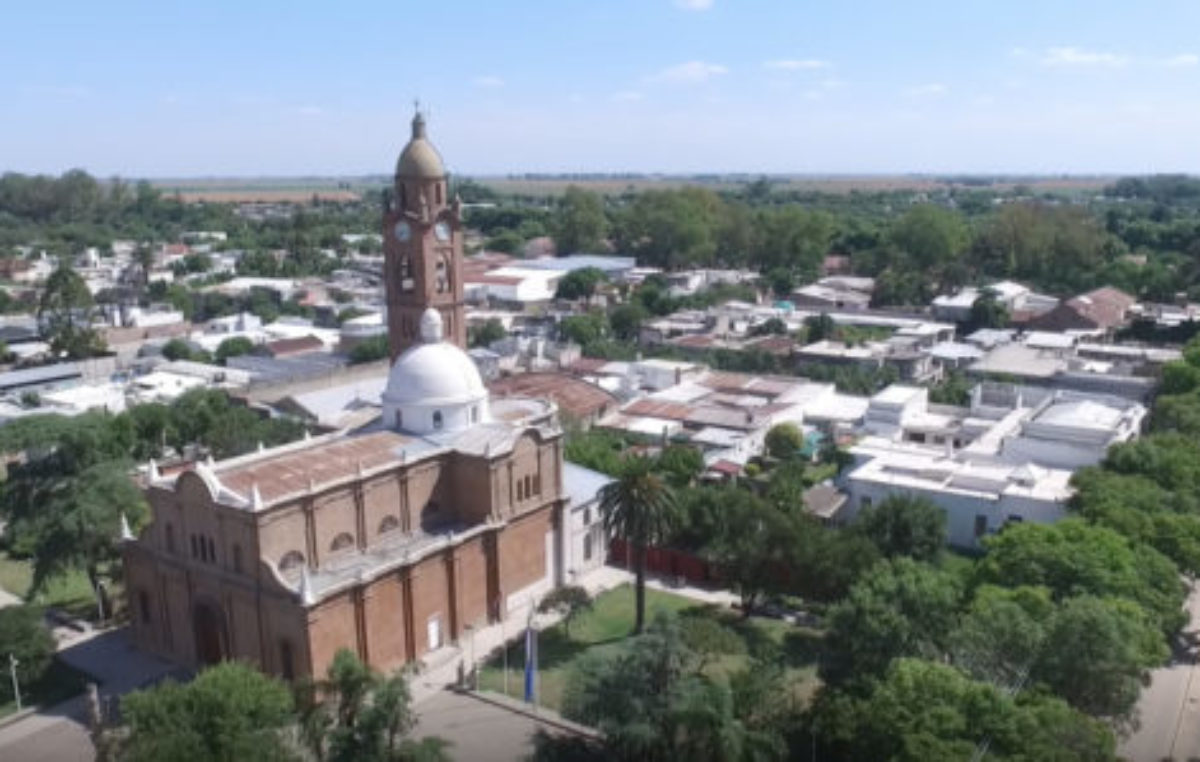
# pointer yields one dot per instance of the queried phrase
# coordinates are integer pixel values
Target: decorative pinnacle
(152, 471)
(256, 501)
(305, 591)
(126, 532)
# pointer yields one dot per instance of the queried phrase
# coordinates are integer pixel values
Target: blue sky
(286, 88)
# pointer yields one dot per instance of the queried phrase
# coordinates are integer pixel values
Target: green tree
(66, 310)
(901, 525)
(898, 608)
(819, 327)
(234, 346)
(177, 349)
(1074, 558)
(680, 464)
(580, 224)
(492, 330)
(784, 441)
(930, 235)
(1097, 655)
(651, 702)
(230, 711)
(569, 601)
(580, 284)
(626, 321)
(358, 715)
(923, 711)
(24, 637)
(370, 350)
(639, 506)
(584, 329)
(756, 550)
(987, 311)
(999, 639)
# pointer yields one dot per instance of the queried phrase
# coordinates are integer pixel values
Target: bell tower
(422, 245)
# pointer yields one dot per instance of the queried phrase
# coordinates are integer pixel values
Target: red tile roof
(324, 462)
(297, 346)
(574, 397)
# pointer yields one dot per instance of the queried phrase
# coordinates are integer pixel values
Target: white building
(1009, 456)
(586, 542)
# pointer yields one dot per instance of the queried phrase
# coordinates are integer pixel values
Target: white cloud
(489, 80)
(694, 5)
(689, 72)
(1183, 59)
(929, 90)
(627, 95)
(1070, 56)
(797, 64)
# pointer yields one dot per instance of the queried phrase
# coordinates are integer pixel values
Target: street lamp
(470, 628)
(12, 670)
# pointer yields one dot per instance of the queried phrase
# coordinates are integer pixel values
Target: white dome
(429, 373)
(434, 386)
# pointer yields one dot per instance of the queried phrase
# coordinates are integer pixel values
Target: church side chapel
(445, 513)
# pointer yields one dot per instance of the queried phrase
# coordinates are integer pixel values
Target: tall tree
(901, 525)
(898, 608)
(66, 312)
(638, 506)
(230, 711)
(358, 715)
(580, 224)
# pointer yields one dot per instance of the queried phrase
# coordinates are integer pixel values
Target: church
(445, 514)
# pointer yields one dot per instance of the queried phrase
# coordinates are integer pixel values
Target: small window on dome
(437, 419)
(341, 542)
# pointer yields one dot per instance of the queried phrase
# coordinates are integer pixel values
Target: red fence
(672, 564)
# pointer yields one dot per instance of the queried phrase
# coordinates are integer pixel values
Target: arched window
(474, 414)
(212, 551)
(520, 490)
(587, 516)
(291, 560)
(587, 547)
(170, 538)
(437, 192)
(437, 419)
(144, 606)
(341, 542)
(441, 278)
(528, 485)
(237, 558)
(406, 276)
(389, 524)
(195, 546)
(399, 419)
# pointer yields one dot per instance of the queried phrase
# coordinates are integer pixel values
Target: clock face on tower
(442, 231)
(403, 231)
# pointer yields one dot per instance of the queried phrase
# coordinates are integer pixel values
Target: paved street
(480, 731)
(59, 733)
(1170, 706)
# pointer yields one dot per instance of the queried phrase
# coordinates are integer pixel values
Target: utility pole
(12, 670)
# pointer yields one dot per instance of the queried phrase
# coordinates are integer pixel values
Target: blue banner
(530, 663)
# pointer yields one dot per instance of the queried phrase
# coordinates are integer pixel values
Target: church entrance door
(209, 627)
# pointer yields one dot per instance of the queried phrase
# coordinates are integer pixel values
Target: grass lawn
(610, 622)
(59, 683)
(69, 592)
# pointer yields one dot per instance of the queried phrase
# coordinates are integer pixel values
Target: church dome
(420, 159)
(434, 385)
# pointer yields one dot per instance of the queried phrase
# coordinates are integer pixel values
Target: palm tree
(640, 507)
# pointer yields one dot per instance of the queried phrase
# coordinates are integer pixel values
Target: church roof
(282, 471)
(420, 159)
